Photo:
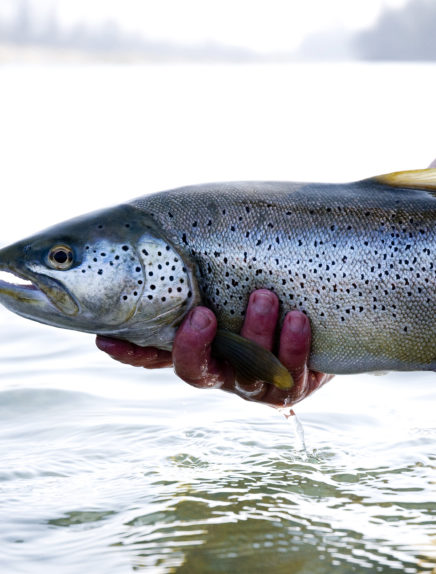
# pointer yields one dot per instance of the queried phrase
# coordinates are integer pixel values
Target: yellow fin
(251, 361)
(416, 179)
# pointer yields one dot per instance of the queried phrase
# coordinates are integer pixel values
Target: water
(297, 428)
(110, 469)
(107, 468)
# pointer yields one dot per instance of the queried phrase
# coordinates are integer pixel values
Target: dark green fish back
(357, 258)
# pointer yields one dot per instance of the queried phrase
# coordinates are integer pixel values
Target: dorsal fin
(415, 179)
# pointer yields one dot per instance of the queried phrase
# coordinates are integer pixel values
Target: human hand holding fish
(194, 362)
(163, 271)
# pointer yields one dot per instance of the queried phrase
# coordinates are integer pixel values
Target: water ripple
(110, 469)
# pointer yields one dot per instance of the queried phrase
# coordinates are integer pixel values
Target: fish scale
(356, 258)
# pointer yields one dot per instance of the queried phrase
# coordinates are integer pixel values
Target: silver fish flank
(357, 258)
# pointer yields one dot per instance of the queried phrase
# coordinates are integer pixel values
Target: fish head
(109, 272)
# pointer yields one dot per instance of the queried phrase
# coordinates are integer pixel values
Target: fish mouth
(24, 293)
(17, 286)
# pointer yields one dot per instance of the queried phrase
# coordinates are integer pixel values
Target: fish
(357, 258)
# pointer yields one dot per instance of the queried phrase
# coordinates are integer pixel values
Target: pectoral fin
(251, 361)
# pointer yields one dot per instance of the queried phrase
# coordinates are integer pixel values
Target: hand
(193, 362)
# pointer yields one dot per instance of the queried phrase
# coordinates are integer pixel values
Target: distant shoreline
(35, 54)
(39, 54)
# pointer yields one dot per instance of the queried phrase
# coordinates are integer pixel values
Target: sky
(265, 26)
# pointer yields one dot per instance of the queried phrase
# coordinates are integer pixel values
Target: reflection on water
(110, 469)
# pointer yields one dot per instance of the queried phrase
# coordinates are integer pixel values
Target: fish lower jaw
(17, 291)
(11, 281)
(25, 300)
(20, 295)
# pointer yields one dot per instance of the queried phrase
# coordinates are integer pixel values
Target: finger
(259, 326)
(192, 351)
(295, 343)
(130, 354)
(433, 164)
(261, 318)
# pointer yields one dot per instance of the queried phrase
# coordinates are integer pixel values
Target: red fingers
(194, 363)
(261, 318)
(192, 351)
(130, 354)
(295, 343)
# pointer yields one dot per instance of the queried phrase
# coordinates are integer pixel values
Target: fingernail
(299, 323)
(199, 319)
(263, 303)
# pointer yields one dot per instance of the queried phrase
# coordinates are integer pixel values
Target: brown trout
(357, 258)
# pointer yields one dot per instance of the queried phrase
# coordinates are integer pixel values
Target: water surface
(107, 468)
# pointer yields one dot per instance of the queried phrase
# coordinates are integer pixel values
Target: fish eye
(60, 257)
